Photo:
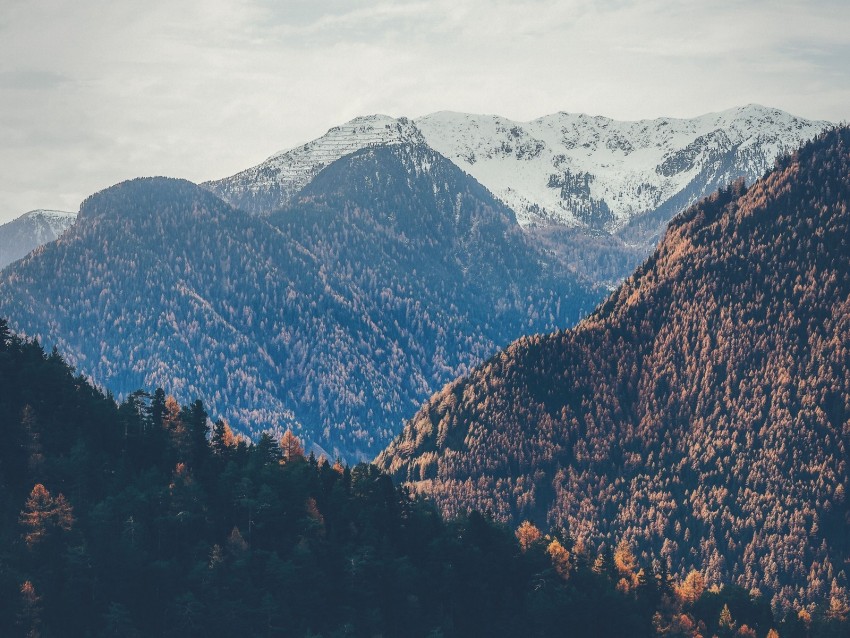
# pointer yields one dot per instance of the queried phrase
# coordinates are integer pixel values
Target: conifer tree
(44, 515)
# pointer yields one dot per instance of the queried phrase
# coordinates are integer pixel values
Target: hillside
(144, 519)
(702, 413)
(29, 231)
(124, 520)
(393, 273)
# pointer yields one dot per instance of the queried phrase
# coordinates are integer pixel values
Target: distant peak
(47, 212)
(375, 118)
(152, 193)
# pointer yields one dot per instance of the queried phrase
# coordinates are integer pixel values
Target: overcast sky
(93, 92)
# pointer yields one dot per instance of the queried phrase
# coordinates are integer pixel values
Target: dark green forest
(143, 519)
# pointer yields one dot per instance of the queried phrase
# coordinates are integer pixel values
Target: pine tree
(198, 432)
(29, 616)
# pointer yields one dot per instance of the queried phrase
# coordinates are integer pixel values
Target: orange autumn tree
(43, 515)
(223, 437)
(692, 588)
(626, 565)
(290, 447)
(528, 535)
(560, 557)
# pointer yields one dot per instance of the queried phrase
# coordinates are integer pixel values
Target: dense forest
(700, 415)
(393, 273)
(144, 519)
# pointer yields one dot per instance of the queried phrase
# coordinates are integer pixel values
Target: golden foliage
(527, 535)
(691, 588)
(290, 447)
(560, 557)
(690, 410)
(228, 438)
(626, 565)
(838, 603)
(726, 621)
(44, 514)
(29, 616)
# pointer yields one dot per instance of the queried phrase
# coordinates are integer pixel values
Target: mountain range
(389, 274)
(351, 277)
(595, 192)
(31, 230)
(701, 414)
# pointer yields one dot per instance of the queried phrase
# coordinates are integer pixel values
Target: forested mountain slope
(393, 273)
(127, 520)
(702, 413)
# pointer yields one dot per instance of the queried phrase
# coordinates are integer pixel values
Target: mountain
(392, 272)
(595, 192)
(31, 230)
(701, 414)
(578, 170)
(275, 182)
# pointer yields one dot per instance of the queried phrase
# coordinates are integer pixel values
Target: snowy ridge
(272, 183)
(21, 236)
(565, 169)
(581, 170)
(49, 224)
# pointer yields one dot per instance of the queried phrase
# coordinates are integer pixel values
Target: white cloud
(92, 92)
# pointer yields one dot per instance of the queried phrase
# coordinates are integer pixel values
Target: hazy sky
(93, 91)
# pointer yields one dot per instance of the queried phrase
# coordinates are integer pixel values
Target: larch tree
(692, 587)
(290, 447)
(44, 515)
(726, 625)
(560, 557)
(223, 437)
(528, 535)
(626, 566)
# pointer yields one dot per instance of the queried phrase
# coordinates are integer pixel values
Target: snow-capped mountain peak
(49, 224)
(275, 181)
(576, 169)
(566, 169)
(35, 228)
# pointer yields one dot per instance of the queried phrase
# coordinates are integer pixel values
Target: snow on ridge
(292, 169)
(48, 215)
(35, 228)
(47, 224)
(556, 167)
(563, 168)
